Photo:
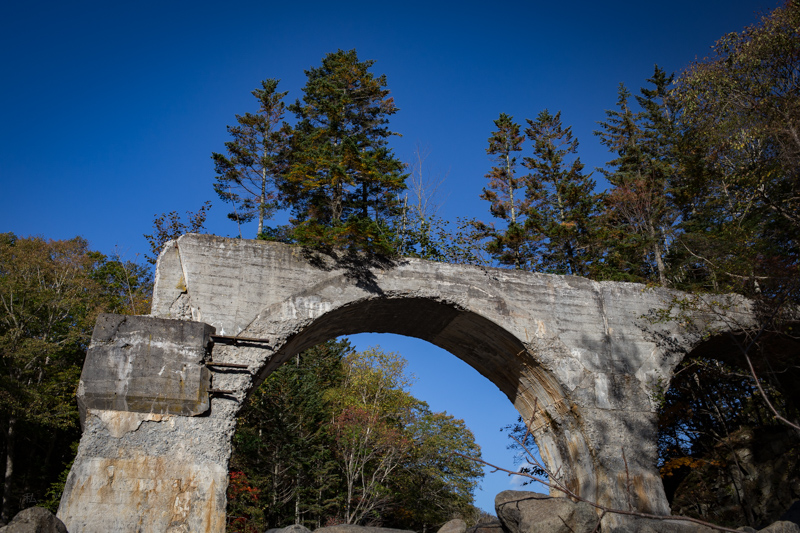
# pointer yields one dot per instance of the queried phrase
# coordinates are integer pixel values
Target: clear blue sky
(110, 110)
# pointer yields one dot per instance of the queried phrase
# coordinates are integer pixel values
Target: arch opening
(715, 429)
(482, 344)
(491, 351)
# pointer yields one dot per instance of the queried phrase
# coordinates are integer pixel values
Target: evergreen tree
(343, 180)
(246, 177)
(282, 444)
(562, 205)
(506, 192)
(640, 216)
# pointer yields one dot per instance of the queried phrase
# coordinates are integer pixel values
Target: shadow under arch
(714, 414)
(492, 350)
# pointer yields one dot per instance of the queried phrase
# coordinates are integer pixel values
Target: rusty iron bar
(221, 391)
(227, 339)
(227, 365)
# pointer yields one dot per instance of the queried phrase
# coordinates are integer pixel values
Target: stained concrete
(580, 359)
(146, 365)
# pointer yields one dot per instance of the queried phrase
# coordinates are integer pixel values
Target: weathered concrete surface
(146, 365)
(574, 356)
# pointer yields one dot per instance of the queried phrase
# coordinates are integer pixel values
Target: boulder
(35, 520)
(781, 526)
(646, 525)
(488, 526)
(347, 528)
(295, 528)
(531, 512)
(454, 526)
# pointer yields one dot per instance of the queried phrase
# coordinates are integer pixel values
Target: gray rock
(490, 526)
(781, 526)
(34, 520)
(347, 528)
(644, 525)
(294, 528)
(530, 512)
(454, 526)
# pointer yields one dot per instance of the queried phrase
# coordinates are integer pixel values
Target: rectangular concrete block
(147, 365)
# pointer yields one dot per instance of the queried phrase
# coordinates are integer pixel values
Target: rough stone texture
(667, 526)
(34, 520)
(347, 528)
(575, 357)
(530, 512)
(147, 365)
(781, 527)
(491, 526)
(296, 528)
(454, 526)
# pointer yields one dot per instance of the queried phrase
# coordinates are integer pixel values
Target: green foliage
(562, 203)
(50, 295)
(511, 246)
(169, 226)
(282, 444)
(740, 194)
(639, 218)
(333, 436)
(247, 177)
(435, 484)
(343, 179)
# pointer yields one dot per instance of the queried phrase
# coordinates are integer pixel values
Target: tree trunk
(5, 516)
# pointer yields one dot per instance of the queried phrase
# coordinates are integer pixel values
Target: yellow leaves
(673, 465)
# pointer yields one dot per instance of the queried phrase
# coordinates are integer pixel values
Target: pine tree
(562, 204)
(506, 192)
(246, 178)
(343, 180)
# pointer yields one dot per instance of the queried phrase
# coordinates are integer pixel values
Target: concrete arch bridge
(159, 394)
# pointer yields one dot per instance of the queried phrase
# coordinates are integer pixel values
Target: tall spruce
(509, 246)
(343, 179)
(640, 216)
(246, 177)
(562, 204)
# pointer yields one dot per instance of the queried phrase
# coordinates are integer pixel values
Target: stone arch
(495, 353)
(573, 348)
